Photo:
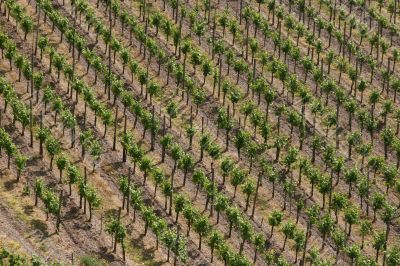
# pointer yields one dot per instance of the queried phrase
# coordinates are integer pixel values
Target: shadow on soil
(145, 255)
(28, 209)
(41, 226)
(10, 185)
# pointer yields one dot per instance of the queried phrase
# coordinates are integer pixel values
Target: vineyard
(211, 132)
